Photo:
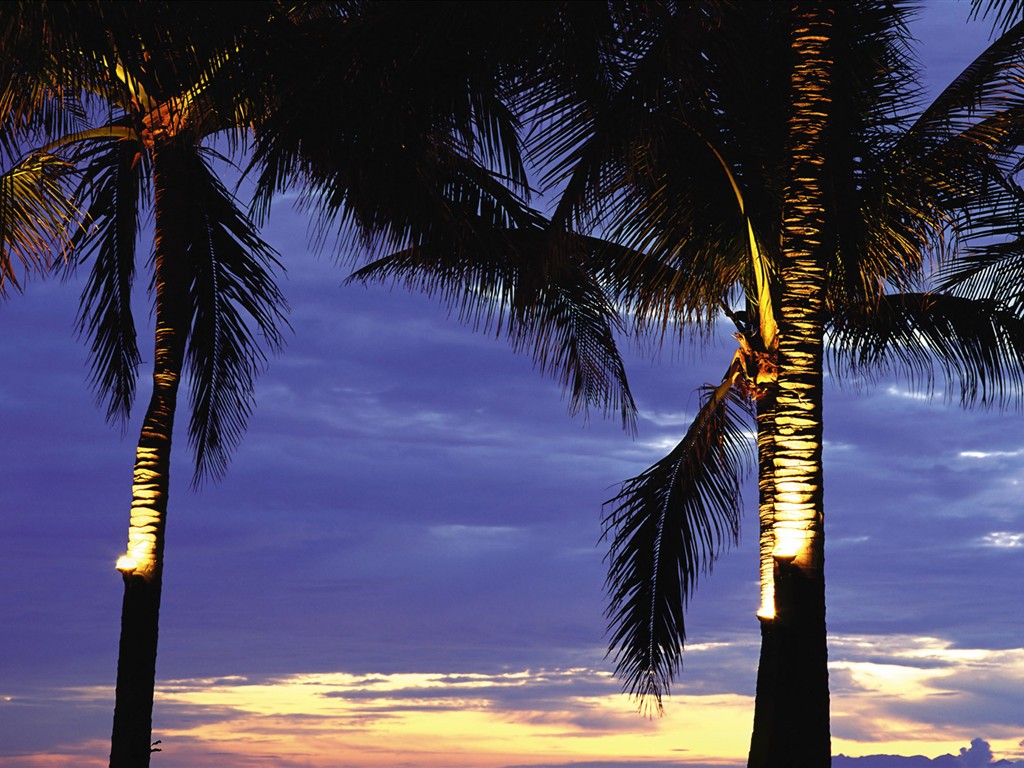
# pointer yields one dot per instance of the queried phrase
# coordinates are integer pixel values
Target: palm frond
(992, 271)
(520, 283)
(1005, 13)
(986, 84)
(37, 216)
(569, 326)
(112, 187)
(666, 528)
(972, 345)
(237, 311)
(430, 101)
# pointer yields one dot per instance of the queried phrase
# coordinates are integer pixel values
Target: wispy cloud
(1003, 540)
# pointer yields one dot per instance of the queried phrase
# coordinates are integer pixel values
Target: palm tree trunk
(142, 565)
(796, 647)
(765, 704)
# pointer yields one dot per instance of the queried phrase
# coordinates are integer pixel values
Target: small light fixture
(126, 564)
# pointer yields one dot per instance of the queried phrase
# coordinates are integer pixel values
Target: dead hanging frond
(666, 528)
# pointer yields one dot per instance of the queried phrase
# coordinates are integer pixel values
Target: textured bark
(136, 667)
(793, 728)
(136, 673)
(766, 705)
(765, 500)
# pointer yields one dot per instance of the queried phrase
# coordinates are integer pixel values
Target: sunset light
(512, 385)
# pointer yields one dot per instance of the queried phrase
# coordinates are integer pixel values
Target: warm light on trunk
(142, 565)
(766, 505)
(145, 521)
(791, 711)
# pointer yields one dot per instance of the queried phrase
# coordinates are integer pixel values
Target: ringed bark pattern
(791, 721)
(136, 669)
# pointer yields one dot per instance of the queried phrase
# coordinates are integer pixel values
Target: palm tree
(854, 207)
(168, 89)
(217, 308)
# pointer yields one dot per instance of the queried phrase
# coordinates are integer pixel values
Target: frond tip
(667, 526)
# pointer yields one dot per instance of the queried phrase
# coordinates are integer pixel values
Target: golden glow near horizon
(922, 676)
(485, 721)
(883, 689)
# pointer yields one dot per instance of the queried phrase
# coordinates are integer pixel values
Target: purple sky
(410, 529)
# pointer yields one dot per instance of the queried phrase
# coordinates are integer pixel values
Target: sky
(402, 567)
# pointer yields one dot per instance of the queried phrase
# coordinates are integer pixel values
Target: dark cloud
(977, 755)
(48, 717)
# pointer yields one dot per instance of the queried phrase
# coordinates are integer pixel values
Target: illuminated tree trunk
(142, 564)
(795, 648)
(766, 503)
(766, 706)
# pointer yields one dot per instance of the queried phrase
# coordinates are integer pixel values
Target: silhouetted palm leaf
(236, 310)
(112, 182)
(948, 180)
(993, 271)
(1006, 12)
(974, 345)
(667, 527)
(511, 281)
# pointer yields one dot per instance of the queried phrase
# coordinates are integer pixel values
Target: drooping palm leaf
(569, 327)
(950, 174)
(985, 86)
(112, 187)
(520, 282)
(237, 311)
(973, 345)
(1005, 12)
(666, 528)
(992, 271)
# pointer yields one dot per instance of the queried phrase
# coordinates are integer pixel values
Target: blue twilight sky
(402, 566)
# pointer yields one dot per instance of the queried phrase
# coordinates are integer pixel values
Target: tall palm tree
(853, 208)
(149, 106)
(427, 156)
